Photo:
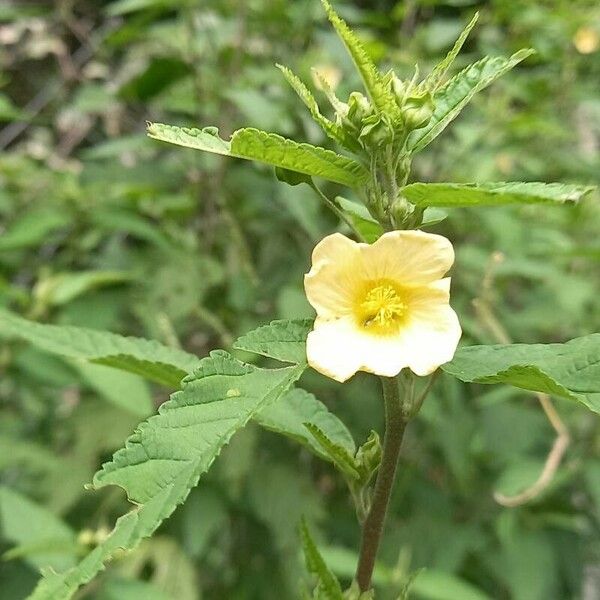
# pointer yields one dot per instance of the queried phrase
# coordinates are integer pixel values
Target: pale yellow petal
(338, 349)
(333, 349)
(428, 340)
(433, 330)
(408, 257)
(411, 264)
(433, 347)
(384, 356)
(337, 269)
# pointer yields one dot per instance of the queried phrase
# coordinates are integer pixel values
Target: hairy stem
(395, 424)
(336, 210)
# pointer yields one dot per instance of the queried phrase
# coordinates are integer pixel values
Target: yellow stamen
(381, 309)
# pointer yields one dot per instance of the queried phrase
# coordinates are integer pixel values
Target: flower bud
(405, 215)
(359, 108)
(368, 458)
(399, 88)
(374, 131)
(417, 110)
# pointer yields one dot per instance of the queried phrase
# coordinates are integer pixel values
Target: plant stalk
(395, 424)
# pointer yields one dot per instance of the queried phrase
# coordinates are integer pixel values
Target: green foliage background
(104, 228)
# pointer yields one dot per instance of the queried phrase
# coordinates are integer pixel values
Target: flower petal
(433, 331)
(384, 356)
(336, 270)
(414, 261)
(338, 349)
(333, 349)
(409, 257)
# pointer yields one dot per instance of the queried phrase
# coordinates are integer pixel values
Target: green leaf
(286, 341)
(328, 585)
(363, 222)
(282, 340)
(381, 95)
(273, 149)
(132, 589)
(206, 139)
(185, 437)
(492, 194)
(451, 98)
(129, 530)
(298, 408)
(33, 228)
(333, 130)
(292, 178)
(43, 539)
(62, 288)
(368, 458)
(433, 216)
(570, 370)
(431, 584)
(168, 453)
(426, 584)
(270, 148)
(434, 79)
(125, 390)
(337, 454)
(143, 357)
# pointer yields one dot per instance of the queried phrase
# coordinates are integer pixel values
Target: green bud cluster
(362, 122)
(373, 129)
(382, 135)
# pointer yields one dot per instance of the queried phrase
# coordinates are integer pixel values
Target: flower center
(381, 309)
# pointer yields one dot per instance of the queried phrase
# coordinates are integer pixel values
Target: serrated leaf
(282, 340)
(492, 194)
(289, 415)
(451, 98)
(168, 453)
(129, 530)
(185, 437)
(270, 148)
(333, 130)
(381, 95)
(206, 139)
(328, 585)
(338, 455)
(273, 149)
(436, 76)
(143, 357)
(570, 370)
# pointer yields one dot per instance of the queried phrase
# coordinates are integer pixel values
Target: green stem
(395, 424)
(335, 209)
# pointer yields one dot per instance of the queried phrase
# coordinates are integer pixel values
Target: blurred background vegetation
(104, 228)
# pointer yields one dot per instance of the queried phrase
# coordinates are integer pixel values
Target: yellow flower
(381, 307)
